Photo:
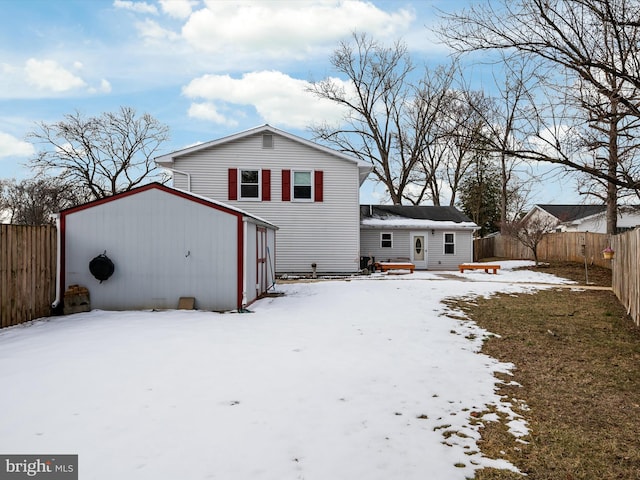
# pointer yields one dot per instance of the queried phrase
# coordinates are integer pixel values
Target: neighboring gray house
(433, 238)
(164, 244)
(309, 191)
(583, 218)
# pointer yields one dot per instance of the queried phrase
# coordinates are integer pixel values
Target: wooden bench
(386, 266)
(479, 266)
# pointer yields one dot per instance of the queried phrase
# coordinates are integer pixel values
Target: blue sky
(206, 68)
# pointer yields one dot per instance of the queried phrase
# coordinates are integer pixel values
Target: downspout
(245, 251)
(186, 174)
(56, 302)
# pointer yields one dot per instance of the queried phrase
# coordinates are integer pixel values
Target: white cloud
(138, 7)
(209, 111)
(47, 79)
(47, 75)
(276, 28)
(105, 87)
(178, 8)
(11, 146)
(151, 29)
(278, 98)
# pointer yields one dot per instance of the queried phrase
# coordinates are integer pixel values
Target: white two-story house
(310, 192)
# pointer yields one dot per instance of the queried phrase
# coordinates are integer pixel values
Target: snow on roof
(400, 222)
(414, 216)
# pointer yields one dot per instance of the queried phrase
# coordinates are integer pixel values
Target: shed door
(419, 250)
(261, 256)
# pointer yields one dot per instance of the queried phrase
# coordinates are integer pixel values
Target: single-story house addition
(166, 244)
(430, 237)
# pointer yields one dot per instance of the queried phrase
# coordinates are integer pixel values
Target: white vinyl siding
(370, 246)
(163, 247)
(326, 233)
(438, 260)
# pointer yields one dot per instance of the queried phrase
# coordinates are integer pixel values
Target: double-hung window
(302, 185)
(386, 240)
(449, 243)
(250, 184)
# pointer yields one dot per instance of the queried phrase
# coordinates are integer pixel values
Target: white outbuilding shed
(162, 244)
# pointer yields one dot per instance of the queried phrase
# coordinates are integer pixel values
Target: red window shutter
(266, 185)
(233, 184)
(318, 186)
(286, 185)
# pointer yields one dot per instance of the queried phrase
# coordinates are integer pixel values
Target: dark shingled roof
(439, 214)
(569, 213)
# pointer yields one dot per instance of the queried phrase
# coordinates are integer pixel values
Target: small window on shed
(267, 141)
(449, 243)
(386, 240)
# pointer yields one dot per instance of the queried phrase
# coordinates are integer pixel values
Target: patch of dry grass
(577, 358)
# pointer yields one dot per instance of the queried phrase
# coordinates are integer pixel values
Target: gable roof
(570, 213)
(168, 159)
(411, 216)
(173, 191)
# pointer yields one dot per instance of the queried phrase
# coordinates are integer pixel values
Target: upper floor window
(250, 184)
(302, 185)
(449, 243)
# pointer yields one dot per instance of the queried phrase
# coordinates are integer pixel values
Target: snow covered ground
(335, 380)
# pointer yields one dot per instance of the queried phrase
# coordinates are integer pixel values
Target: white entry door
(419, 250)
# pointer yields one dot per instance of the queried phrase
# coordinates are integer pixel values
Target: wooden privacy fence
(626, 271)
(27, 272)
(572, 247)
(566, 246)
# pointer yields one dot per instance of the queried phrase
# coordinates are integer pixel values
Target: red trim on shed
(286, 185)
(152, 186)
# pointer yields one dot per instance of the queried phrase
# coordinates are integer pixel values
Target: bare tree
(596, 44)
(106, 154)
(465, 138)
(389, 119)
(437, 101)
(34, 201)
(530, 232)
(508, 119)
